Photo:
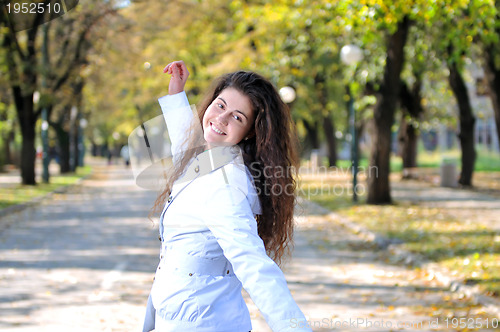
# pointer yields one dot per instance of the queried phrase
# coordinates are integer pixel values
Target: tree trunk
(312, 134)
(22, 79)
(493, 78)
(7, 139)
(328, 123)
(408, 141)
(378, 174)
(74, 145)
(331, 141)
(467, 120)
(63, 140)
(411, 104)
(27, 119)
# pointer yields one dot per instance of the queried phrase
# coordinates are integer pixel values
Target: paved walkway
(476, 206)
(84, 261)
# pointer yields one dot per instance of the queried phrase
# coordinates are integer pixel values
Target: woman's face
(228, 119)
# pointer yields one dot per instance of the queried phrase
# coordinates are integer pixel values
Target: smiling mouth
(216, 130)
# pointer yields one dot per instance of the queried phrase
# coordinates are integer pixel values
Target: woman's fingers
(176, 71)
(168, 68)
(179, 73)
(177, 68)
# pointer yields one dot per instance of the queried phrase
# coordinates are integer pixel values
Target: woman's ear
(250, 134)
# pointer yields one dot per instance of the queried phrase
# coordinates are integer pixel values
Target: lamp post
(73, 139)
(351, 55)
(287, 93)
(45, 139)
(81, 144)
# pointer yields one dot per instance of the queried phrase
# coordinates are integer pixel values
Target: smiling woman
(219, 221)
(229, 118)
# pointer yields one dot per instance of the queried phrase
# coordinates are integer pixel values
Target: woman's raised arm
(175, 106)
(179, 73)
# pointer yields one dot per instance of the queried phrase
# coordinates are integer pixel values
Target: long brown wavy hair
(270, 155)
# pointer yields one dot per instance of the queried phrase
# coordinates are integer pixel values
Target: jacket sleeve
(231, 221)
(178, 116)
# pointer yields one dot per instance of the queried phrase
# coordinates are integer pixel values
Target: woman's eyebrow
(242, 113)
(222, 100)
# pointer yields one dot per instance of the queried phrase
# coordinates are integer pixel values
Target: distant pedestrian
(109, 153)
(224, 207)
(125, 154)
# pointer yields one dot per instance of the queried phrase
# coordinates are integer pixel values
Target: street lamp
(81, 145)
(287, 93)
(351, 55)
(45, 139)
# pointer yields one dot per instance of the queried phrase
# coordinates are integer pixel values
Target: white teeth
(217, 130)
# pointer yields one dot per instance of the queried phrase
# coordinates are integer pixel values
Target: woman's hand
(179, 77)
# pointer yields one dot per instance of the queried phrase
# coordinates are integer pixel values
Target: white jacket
(211, 248)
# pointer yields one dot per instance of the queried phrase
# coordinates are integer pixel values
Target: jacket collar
(211, 160)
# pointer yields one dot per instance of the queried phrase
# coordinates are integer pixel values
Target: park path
(81, 261)
(84, 261)
(478, 207)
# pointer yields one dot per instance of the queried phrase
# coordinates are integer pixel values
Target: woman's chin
(215, 140)
(214, 143)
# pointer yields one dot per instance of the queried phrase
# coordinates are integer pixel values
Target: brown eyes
(236, 117)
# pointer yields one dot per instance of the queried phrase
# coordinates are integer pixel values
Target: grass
(467, 248)
(19, 194)
(486, 161)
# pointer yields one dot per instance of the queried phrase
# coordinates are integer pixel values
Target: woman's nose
(222, 118)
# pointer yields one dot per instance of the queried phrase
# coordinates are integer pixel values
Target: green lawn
(19, 194)
(486, 160)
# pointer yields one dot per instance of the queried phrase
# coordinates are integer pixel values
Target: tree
(22, 52)
(66, 47)
(489, 40)
(492, 73)
(7, 118)
(453, 41)
(467, 121)
(306, 39)
(410, 99)
(421, 59)
(21, 60)
(387, 97)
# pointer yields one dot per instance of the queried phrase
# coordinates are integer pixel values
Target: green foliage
(295, 43)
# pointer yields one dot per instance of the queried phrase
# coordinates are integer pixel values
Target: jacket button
(169, 199)
(159, 237)
(197, 169)
(190, 274)
(227, 272)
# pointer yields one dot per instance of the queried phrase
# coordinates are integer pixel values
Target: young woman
(227, 208)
